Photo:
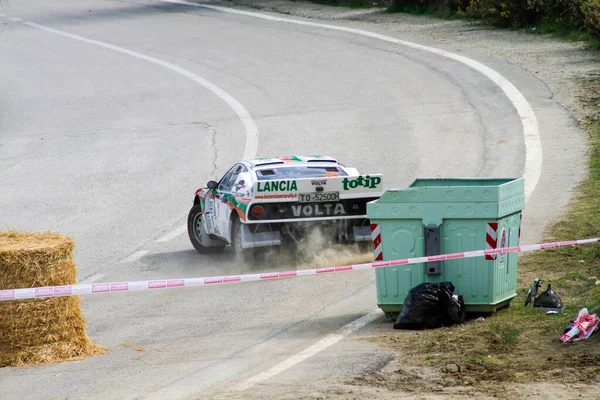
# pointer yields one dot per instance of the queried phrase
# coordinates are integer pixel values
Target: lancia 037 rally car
(278, 201)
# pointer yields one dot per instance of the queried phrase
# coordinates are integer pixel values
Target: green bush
(591, 17)
(354, 3)
(416, 6)
(451, 5)
(547, 15)
(558, 14)
(515, 13)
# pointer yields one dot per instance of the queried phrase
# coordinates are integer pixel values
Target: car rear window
(299, 172)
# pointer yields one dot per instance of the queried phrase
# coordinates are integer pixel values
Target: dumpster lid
(460, 182)
(457, 190)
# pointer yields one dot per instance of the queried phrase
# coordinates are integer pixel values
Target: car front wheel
(196, 230)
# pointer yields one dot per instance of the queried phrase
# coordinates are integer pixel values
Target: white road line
(321, 345)
(243, 114)
(172, 235)
(134, 257)
(531, 134)
(16, 19)
(92, 279)
(2, 15)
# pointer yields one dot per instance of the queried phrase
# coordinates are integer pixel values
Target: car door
(212, 205)
(223, 199)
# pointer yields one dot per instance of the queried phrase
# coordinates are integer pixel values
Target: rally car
(278, 201)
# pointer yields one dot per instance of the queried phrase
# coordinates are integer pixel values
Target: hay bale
(39, 331)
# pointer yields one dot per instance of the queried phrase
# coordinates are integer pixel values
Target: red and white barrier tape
(117, 287)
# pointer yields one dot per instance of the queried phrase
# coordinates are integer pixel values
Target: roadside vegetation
(576, 17)
(354, 3)
(571, 19)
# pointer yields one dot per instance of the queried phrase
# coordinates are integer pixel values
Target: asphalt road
(112, 113)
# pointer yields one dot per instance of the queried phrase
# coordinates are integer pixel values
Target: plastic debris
(581, 327)
(548, 300)
(532, 293)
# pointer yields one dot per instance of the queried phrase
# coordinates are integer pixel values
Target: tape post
(120, 287)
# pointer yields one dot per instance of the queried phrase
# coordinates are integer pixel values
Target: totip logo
(367, 181)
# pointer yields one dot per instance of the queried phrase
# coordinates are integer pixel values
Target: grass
(353, 4)
(425, 11)
(521, 344)
(505, 335)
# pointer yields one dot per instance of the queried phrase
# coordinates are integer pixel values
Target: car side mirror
(211, 185)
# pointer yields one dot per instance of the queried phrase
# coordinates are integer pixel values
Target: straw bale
(36, 331)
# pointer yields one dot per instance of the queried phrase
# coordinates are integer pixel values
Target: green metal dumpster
(442, 216)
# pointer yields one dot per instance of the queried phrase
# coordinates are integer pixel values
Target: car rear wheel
(236, 237)
(246, 255)
(196, 230)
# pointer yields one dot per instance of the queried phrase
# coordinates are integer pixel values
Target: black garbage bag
(548, 299)
(430, 305)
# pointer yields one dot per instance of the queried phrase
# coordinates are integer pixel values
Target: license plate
(318, 197)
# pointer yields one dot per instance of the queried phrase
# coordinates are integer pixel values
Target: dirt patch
(453, 357)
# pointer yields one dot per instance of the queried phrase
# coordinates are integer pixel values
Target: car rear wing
(288, 190)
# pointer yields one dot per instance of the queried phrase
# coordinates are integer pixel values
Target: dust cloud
(317, 251)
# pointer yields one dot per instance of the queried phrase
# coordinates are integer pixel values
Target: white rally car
(277, 201)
